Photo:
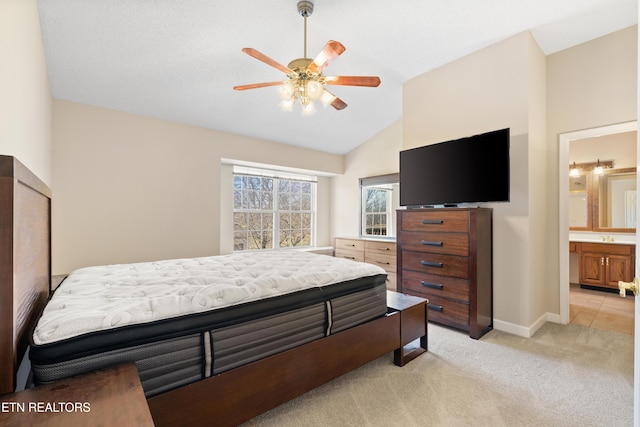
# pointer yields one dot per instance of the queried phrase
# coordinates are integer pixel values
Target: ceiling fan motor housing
(305, 8)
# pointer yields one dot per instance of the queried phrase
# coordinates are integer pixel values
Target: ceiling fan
(306, 82)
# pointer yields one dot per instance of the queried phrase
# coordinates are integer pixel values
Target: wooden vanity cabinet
(603, 265)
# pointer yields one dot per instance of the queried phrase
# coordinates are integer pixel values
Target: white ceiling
(179, 59)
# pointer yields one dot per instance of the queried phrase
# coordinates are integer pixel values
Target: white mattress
(112, 296)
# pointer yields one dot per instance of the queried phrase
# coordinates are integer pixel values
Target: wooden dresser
(379, 252)
(445, 255)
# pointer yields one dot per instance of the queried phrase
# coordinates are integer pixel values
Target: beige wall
(25, 99)
(590, 85)
(131, 188)
(510, 84)
(498, 87)
(377, 156)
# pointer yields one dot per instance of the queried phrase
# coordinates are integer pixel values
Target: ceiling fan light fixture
(286, 105)
(306, 81)
(287, 91)
(308, 109)
(314, 89)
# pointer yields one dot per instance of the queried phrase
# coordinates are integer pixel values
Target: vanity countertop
(609, 238)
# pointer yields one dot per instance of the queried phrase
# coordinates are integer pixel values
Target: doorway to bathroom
(597, 226)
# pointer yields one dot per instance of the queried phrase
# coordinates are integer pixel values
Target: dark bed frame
(226, 399)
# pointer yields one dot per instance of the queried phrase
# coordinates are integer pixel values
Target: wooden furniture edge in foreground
(238, 395)
(25, 262)
(107, 397)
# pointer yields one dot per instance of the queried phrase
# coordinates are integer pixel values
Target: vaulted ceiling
(178, 60)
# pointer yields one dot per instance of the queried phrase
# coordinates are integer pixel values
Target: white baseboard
(522, 331)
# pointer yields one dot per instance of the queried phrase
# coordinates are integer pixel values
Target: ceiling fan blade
(256, 85)
(329, 52)
(338, 104)
(264, 58)
(369, 81)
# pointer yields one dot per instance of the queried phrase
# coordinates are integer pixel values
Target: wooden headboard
(25, 262)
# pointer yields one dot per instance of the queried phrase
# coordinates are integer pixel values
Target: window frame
(379, 182)
(276, 211)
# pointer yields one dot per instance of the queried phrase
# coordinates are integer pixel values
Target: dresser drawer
(349, 254)
(447, 312)
(439, 264)
(435, 220)
(436, 242)
(386, 261)
(392, 281)
(378, 247)
(350, 244)
(432, 285)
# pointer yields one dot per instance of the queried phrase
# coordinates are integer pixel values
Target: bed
(249, 344)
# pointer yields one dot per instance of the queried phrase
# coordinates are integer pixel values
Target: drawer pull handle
(431, 264)
(431, 285)
(349, 257)
(430, 243)
(383, 263)
(435, 307)
(432, 221)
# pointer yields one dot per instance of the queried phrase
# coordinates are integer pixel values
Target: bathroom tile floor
(601, 310)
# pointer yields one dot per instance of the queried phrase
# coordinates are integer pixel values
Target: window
(378, 204)
(272, 210)
(376, 212)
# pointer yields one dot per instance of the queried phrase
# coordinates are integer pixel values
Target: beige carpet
(563, 376)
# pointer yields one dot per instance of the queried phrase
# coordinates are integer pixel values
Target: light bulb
(314, 89)
(574, 171)
(287, 104)
(598, 169)
(286, 91)
(308, 109)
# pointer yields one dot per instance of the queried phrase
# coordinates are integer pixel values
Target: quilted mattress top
(106, 297)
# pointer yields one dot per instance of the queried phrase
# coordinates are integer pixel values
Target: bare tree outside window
(376, 211)
(271, 213)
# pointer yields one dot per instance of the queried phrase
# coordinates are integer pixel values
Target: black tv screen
(467, 170)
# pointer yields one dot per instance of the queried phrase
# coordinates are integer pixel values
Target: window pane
(285, 221)
(306, 221)
(239, 221)
(284, 200)
(305, 201)
(295, 202)
(284, 185)
(239, 241)
(285, 238)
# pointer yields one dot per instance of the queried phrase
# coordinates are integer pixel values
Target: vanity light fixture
(597, 167)
(575, 172)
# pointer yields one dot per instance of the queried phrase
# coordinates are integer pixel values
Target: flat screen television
(469, 170)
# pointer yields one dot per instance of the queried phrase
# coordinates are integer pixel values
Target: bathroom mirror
(615, 200)
(579, 202)
(605, 201)
(379, 199)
